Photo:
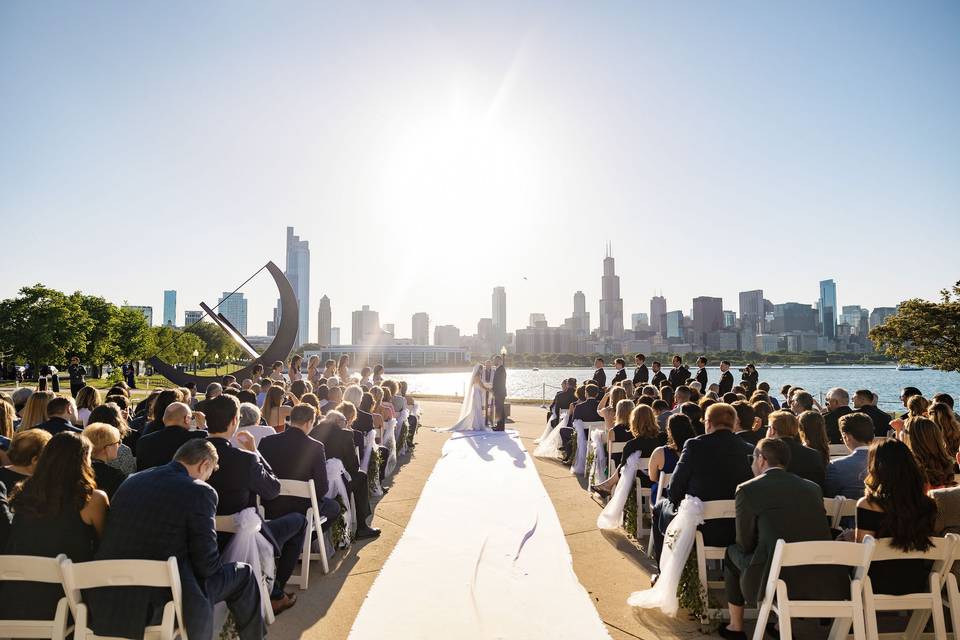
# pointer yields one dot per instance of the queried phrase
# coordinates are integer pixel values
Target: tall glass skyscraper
(234, 309)
(298, 273)
(170, 308)
(499, 314)
(828, 308)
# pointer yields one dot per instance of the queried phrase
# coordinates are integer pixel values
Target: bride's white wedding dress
(472, 416)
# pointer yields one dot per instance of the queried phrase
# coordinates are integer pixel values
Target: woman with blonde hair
(7, 415)
(105, 440)
(35, 411)
(925, 441)
(607, 408)
(942, 414)
(314, 372)
(25, 449)
(343, 368)
(88, 399)
(917, 406)
(646, 438)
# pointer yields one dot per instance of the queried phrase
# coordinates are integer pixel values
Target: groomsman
(599, 376)
(621, 374)
(658, 376)
(726, 378)
(701, 376)
(641, 375)
(679, 374)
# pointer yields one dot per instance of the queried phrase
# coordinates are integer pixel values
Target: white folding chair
(306, 489)
(662, 481)
(839, 450)
(712, 510)
(125, 573)
(228, 524)
(953, 598)
(643, 496)
(849, 554)
(612, 448)
(940, 554)
(581, 431)
(35, 569)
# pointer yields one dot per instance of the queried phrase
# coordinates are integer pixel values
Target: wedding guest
(250, 422)
(298, 389)
(813, 433)
(607, 409)
(838, 405)
(905, 394)
(7, 415)
(35, 410)
(895, 505)
(644, 437)
(163, 400)
(641, 374)
(710, 468)
(801, 401)
(762, 411)
(923, 437)
(563, 399)
(61, 416)
(761, 521)
(845, 475)
(620, 365)
(804, 461)
(377, 375)
(745, 427)
(365, 382)
(105, 442)
(111, 414)
(942, 414)
(265, 385)
(56, 510)
(679, 374)
(765, 388)
(159, 448)
(664, 458)
(585, 411)
(701, 375)
(169, 511)
(25, 449)
(599, 375)
(275, 410)
(693, 411)
(88, 399)
(864, 402)
(661, 411)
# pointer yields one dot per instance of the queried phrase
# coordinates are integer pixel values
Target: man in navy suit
(169, 511)
(621, 374)
(158, 447)
(61, 412)
(845, 475)
(599, 375)
(585, 411)
(641, 375)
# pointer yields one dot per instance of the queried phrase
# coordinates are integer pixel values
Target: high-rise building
(793, 316)
(335, 335)
(536, 318)
(828, 308)
(879, 314)
(579, 303)
(673, 325)
(611, 304)
(324, 322)
(658, 307)
(707, 317)
(234, 309)
(851, 315)
(421, 329)
(729, 319)
(639, 321)
(500, 312)
(366, 326)
(580, 322)
(446, 335)
(191, 317)
(752, 311)
(390, 328)
(146, 311)
(170, 308)
(298, 273)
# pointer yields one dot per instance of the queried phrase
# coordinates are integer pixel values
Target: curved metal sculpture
(279, 349)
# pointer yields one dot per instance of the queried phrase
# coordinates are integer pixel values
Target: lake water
(885, 381)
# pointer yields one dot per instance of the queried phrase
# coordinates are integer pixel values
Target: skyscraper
(580, 322)
(191, 317)
(324, 322)
(611, 304)
(170, 308)
(146, 311)
(828, 308)
(707, 317)
(658, 307)
(366, 326)
(420, 331)
(673, 325)
(446, 335)
(499, 314)
(879, 314)
(639, 321)
(298, 273)
(234, 309)
(751, 310)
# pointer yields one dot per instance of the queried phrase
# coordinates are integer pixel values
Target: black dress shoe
(368, 532)
(597, 489)
(731, 635)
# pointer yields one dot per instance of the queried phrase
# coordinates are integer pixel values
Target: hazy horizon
(430, 152)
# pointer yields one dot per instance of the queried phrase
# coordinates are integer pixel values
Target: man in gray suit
(776, 505)
(845, 475)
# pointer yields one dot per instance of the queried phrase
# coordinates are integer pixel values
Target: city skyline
(770, 150)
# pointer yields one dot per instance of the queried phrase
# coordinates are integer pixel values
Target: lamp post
(503, 354)
(196, 354)
(216, 364)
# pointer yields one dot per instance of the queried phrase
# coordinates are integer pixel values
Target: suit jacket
(619, 376)
(701, 377)
(845, 476)
(240, 478)
(641, 375)
(678, 376)
(726, 382)
(155, 514)
(711, 467)
(832, 418)
(881, 420)
(781, 505)
(586, 411)
(500, 382)
(158, 448)
(658, 377)
(600, 377)
(293, 455)
(57, 425)
(561, 402)
(805, 462)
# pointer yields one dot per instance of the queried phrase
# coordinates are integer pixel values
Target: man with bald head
(158, 447)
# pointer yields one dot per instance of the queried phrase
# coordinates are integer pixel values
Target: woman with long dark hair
(664, 459)
(925, 440)
(895, 505)
(813, 434)
(56, 510)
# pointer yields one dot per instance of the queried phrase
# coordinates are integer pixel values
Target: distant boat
(536, 369)
(909, 367)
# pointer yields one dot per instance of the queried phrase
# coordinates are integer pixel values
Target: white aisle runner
(482, 557)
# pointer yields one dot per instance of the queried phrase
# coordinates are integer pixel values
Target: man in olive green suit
(776, 504)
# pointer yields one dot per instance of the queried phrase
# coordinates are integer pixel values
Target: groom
(499, 392)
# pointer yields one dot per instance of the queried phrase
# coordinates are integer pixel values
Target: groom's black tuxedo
(620, 376)
(600, 377)
(641, 375)
(500, 395)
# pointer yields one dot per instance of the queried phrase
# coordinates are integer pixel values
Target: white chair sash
(580, 463)
(337, 486)
(550, 443)
(390, 442)
(677, 543)
(548, 427)
(598, 439)
(247, 545)
(612, 515)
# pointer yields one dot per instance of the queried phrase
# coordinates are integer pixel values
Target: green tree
(175, 346)
(216, 341)
(101, 339)
(923, 332)
(134, 341)
(43, 326)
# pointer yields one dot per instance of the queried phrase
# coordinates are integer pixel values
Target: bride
(472, 417)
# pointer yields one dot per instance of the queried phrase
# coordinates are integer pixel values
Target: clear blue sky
(431, 152)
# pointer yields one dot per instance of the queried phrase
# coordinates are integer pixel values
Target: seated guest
(765, 388)
(646, 437)
(24, 451)
(265, 385)
(105, 441)
(157, 448)
(35, 409)
(213, 391)
(621, 427)
(61, 416)
(845, 475)
(607, 408)
(250, 422)
(895, 505)
(56, 510)
(338, 441)
(296, 455)
(693, 411)
(88, 399)
(275, 410)
(942, 414)
(948, 514)
(746, 421)
(7, 415)
(710, 467)
(838, 405)
(163, 400)
(585, 411)
(110, 413)
(563, 399)
(239, 478)
(865, 401)
(169, 511)
(762, 410)
(664, 458)
(762, 519)
(804, 461)
(800, 401)
(923, 437)
(917, 406)
(813, 433)
(661, 412)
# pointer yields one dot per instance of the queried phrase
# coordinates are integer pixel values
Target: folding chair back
(307, 489)
(35, 569)
(712, 510)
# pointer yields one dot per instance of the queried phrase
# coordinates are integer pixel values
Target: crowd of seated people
(104, 477)
(767, 452)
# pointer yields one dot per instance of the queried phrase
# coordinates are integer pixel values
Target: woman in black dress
(895, 505)
(56, 510)
(105, 440)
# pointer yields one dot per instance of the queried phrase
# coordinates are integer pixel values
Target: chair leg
(953, 596)
(840, 628)
(936, 608)
(305, 553)
(783, 611)
(763, 615)
(322, 543)
(869, 610)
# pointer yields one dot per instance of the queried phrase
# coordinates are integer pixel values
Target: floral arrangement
(373, 472)
(338, 530)
(630, 515)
